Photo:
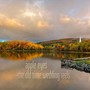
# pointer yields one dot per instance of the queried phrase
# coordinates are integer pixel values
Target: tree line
(66, 46)
(20, 45)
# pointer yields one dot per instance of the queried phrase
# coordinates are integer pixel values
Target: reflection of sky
(8, 80)
(44, 19)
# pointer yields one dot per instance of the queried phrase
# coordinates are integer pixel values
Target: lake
(40, 71)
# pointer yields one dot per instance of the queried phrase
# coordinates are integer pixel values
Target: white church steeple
(80, 39)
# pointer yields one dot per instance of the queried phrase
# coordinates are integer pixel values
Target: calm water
(40, 71)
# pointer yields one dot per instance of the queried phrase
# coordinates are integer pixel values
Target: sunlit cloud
(28, 13)
(65, 19)
(42, 24)
(7, 22)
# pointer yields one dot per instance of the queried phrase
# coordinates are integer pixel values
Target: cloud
(75, 21)
(65, 19)
(7, 22)
(42, 24)
(74, 26)
(44, 19)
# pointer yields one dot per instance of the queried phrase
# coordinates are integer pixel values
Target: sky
(41, 20)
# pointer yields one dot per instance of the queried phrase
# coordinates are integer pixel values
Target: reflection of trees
(20, 55)
(26, 55)
(66, 55)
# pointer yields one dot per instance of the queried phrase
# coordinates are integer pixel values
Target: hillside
(68, 44)
(66, 40)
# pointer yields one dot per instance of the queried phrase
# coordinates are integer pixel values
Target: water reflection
(20, 55)
(9, 70)
(9, 80)
(66, 55)
(31, 55)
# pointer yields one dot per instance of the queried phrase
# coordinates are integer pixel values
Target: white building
(80, 39)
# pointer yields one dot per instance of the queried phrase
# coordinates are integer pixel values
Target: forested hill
(66, 40)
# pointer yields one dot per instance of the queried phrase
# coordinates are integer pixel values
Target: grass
(83, 61)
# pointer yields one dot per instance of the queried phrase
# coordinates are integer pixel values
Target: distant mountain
(65, 40)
